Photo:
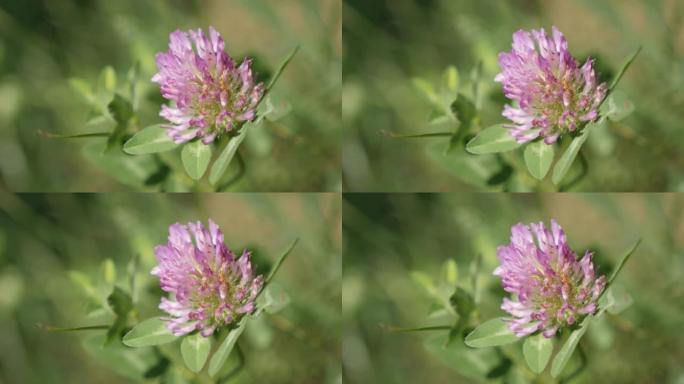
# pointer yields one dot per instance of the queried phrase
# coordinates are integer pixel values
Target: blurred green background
(392, 240)
(52, 254)
(387, 43)
(45, 43)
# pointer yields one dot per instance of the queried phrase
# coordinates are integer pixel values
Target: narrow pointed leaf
(148, 333)
(221, 355)
(564, 354)
(622, 70)
(492, 140)
(281, 68)
(537, 351)
(196, 156)
(195, 350)
(152, 139)
(121, 110)
(622, 262)
(280, 261)
(223, 161)
(538, 158)
(568, 157)
(491, 333)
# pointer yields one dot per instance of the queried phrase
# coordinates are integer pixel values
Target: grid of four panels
(341, 191)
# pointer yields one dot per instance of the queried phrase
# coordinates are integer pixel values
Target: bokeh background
(387, 43)
(393, 244)
(44, 44)
(53, 249)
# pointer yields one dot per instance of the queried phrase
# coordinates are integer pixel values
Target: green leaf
(492, 140)
(130, 170)
(196, 156)
(121, 304)
(615, 301)
(148, 333)
(564, 354)
(131, 363)
(428, 91)
(451, 79)
(475, 364)
(622, 70)
(195, 350)
(616, 106)
(474, 170)
(274, 299)
(279, 262)
(223, 161)
(568, 157)
(462, 302)
(465, 110)
(538, 158)
(279, 71)
(109, 271)
(152, 139)
(622, 262)
(108, 79)
(221, 355)
(122, 111)
(537, 351)
(450, 272)
(491, 333)
(84, 90)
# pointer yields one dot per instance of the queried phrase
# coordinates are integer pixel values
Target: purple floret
(210, 286)
(550, 287)
(551, 94)
(210, 93)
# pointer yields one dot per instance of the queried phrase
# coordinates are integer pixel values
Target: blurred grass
(44, 237)
(389, 236)
(387, 43)
(44, 43)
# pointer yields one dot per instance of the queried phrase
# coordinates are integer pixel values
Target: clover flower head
(552, 94)
(550, 287)
(211, 94)
(210, 286)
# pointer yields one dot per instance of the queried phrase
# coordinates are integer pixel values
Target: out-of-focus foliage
(389, 43)
(397, 252)
(52, 53)
(60, 255)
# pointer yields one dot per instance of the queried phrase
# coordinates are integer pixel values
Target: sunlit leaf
(538, 158)
(195, 351)
(492, 140)
(196, 156)
(491, 333)
(537, 352)
(152, 139)
(109, 271)
(148, 333)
